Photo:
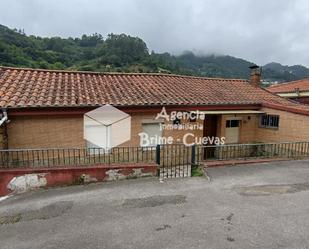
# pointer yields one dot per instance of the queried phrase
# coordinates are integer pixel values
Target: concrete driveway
(248, 206)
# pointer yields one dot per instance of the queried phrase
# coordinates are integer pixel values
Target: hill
(124, 53)
(277, 72)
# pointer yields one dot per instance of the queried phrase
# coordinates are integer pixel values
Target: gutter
(287, 109)
(4, 117)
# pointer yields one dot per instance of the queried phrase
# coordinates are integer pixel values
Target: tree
(121, 50)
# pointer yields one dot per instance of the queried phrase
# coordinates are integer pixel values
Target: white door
(232, 131)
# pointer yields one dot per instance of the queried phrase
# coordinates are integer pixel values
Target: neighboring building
(296, 90)
(45, 108)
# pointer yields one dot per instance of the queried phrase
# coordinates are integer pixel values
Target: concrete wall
(22, 180)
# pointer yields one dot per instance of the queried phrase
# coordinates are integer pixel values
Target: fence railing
(54, 157)
(258, 150)
(164, 155)
(174, 160)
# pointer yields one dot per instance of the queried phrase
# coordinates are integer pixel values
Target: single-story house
(296, 90)
(45, 108)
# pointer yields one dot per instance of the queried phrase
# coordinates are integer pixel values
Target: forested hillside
(124, 53)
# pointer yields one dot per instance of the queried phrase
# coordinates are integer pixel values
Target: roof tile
(47, 88)
(292, 86)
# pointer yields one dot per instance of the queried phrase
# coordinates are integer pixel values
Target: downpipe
(4, 116)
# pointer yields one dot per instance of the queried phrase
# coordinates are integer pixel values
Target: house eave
(294, 94)
(64, 111)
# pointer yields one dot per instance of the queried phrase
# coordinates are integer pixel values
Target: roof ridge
(119, 73)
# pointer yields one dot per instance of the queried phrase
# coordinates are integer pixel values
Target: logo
(107, 127)
(187, 126)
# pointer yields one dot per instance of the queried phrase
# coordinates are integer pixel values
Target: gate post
(158, 156)
(193, 151)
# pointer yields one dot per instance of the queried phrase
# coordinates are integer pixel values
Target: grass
(10, 219)
(197, 171)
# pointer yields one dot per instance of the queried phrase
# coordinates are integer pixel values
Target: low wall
(22, 180)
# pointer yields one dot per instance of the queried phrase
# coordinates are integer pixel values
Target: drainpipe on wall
(3, 121)
(4, 116)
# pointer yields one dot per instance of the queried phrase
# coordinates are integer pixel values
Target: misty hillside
(124, 53)
(277, 72)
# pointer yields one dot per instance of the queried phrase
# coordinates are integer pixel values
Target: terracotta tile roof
(20, 87)
(290, 87)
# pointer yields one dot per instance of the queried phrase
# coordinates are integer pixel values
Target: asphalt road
(249, 206)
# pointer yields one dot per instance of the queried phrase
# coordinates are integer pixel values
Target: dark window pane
(269, 121)
(234, 123)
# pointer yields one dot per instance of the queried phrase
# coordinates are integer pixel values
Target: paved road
(254, 206)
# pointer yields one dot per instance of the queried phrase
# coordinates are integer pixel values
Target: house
(296, 90)
(45, 108)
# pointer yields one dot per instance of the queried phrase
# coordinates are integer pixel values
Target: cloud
(259, 31)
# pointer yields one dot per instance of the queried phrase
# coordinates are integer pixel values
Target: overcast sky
(260, 31)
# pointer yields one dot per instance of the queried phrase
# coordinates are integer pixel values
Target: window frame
(228, 123)
(269, 121)
(151, 122)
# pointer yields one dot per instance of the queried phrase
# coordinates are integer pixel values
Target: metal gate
(174, 160)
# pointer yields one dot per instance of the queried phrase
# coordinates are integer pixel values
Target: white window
(153, 131)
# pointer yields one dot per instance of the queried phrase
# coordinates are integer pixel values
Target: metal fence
(173, 160)
(258, 150)
(57, 157)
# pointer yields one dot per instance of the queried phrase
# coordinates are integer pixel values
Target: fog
(259, 31)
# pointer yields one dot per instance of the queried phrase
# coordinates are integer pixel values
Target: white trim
(232, 112)
(152, 121)
(5, 118)
(233, 118)
(290, 95)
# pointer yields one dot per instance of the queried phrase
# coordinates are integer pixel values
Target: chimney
(255, 76)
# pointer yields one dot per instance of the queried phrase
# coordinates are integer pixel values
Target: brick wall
(51, 131)
(137, 121)
(292, 127)
(248, 126)
(45, 131)
(1, 137)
